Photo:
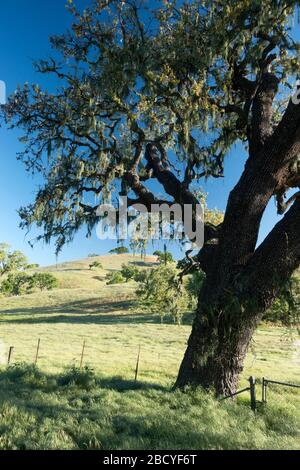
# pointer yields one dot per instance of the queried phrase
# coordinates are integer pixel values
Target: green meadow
(55, 405)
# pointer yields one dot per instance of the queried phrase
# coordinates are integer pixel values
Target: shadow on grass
(123, 385)
(91, 306)
(85, 311)
(145, 264)
(28, 376)
(86, 319)
(81, 311)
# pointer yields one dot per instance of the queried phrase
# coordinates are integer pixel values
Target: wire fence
(130, 361)
(252, 389)
(132, 358)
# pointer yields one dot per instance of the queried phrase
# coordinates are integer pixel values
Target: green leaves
(160, 292)
(11, 261)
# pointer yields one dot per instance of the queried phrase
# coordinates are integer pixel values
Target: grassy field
(56, 407)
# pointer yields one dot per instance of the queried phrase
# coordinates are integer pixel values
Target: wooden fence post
(252, 393)
(10, 355)
(264, 391)
(37, 352)
(137, 363)
(82, 354)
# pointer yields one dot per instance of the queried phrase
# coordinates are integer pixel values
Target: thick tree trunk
(232, 302)
(216, 351)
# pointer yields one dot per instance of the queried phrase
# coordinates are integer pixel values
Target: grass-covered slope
(49, 409)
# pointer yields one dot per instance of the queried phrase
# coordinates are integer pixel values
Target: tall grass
(79, 410)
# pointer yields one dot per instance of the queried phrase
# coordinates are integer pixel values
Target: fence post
(252, 393)
(37, 352)
(82, 353)
(137, 363)
(264, 391)
(9, 355)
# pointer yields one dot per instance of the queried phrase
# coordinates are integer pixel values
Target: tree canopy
(11, 261)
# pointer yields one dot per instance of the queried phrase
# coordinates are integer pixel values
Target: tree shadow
(123, 385)
(20, 374)
(145, 264)
(80, 311)
(99, 278)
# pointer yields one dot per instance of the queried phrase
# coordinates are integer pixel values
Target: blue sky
(25, 27)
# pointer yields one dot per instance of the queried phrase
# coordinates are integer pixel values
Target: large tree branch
(275, 259)
(248, 200)
(175, 188)
(262, 112)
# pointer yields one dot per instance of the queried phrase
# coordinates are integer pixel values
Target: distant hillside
(77, 274)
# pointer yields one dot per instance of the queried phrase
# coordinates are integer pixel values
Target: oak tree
(163, 94)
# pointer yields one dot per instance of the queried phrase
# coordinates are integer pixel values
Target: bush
(29, 375)
(82, 378)
(163, 257)
(114, 278)
(119, 250)
(161, 292)
(129, 271)
(16, 284)
(43, 281)
(96, 264)
(141, 275)
(23, 283)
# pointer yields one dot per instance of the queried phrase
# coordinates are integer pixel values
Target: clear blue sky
(24, 31)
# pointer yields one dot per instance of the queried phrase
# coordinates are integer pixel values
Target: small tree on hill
(96, 265)
(164, 257)
(114, 277)
(129, 271)
(11, 260)
(43, 281)
(16, 284)
(119, 250)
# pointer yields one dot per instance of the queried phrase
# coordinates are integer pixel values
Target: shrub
(82, 378)
(119, 250)
(163, 257)
(43, 281)
(141, 275)
(129, 271)
(30, 375)
(16, 284)
(161, 292)
(96, 265)
(114, 278)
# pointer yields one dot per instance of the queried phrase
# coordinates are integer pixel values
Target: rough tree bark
(226, 318)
